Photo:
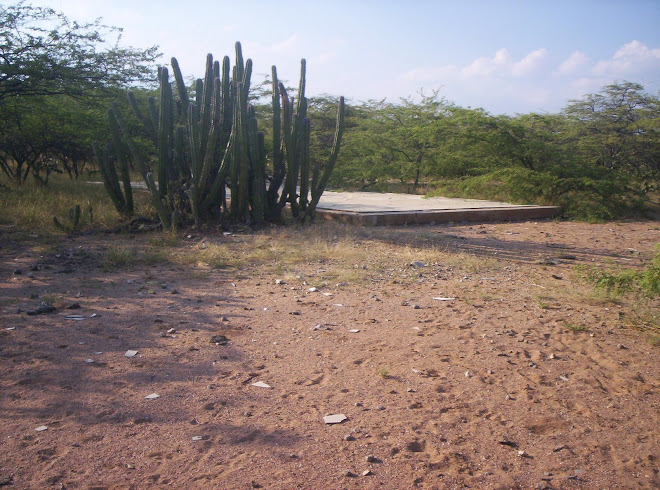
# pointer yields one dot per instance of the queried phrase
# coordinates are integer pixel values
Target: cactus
(212, 142)
(71, 221)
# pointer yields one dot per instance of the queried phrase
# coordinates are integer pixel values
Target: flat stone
(261, 384)
(334, 419)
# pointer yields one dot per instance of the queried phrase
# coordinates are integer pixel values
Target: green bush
(582, 193)
(645, 282)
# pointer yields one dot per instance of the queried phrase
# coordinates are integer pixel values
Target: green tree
(42, 52)
(57, 78)
(619, 129)
(398, 142)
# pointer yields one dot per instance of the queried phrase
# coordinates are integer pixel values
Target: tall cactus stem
(180, 86)
(317, 190)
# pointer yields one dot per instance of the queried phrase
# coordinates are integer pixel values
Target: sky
(506, 57)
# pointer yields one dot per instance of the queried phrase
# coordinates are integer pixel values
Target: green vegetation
(32, 206)
(645, 282)
(576, 328)
(206, 146)
(597, 159)
(56, 78)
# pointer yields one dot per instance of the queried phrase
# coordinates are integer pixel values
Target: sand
(492, 365)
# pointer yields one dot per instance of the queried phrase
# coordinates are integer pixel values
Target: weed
(645, 283)
(644, 319)
(164, 239)
(8, 301)
(540, 301)
(50, 298)
(154, 257)
(576, 328)
(119, 258)
(384, 372)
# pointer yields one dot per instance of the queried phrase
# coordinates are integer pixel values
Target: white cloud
(633, 58)
(576, 60)
(529, 63)
(487, 66)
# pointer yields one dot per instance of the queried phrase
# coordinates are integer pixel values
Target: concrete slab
(382, 209)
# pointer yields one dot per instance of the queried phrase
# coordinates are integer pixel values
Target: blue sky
(505, 56)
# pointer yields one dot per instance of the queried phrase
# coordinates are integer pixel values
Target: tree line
(599, 157)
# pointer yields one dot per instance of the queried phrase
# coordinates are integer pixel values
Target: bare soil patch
(524, 379)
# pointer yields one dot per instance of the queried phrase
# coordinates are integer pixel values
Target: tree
(57, 78)
(619, 129)
(395, 141)
(42, 52)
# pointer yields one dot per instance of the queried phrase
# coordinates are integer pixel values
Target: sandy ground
(523, 380)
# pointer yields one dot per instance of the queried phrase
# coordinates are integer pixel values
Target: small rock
(370, 459)
(130, 353)
(349, 474)
(313, 290)
(335, 419)
(468, 374)
(197, 438)
(417, 264)
(152, 396)
(261, 384)
(18, 272)
(89, 361)
(280, 281)
(621, 346)
(73, 306)
(41, 428)
(42, 309)
(349, 437)
(219, 339)
(366, 473)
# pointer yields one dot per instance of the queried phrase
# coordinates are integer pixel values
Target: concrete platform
(383, 209)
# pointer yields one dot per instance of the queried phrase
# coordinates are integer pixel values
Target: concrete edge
(394, 218)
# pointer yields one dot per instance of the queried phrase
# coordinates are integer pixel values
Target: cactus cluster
(211, 144)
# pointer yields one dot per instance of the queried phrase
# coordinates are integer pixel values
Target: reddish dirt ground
(523, 380)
